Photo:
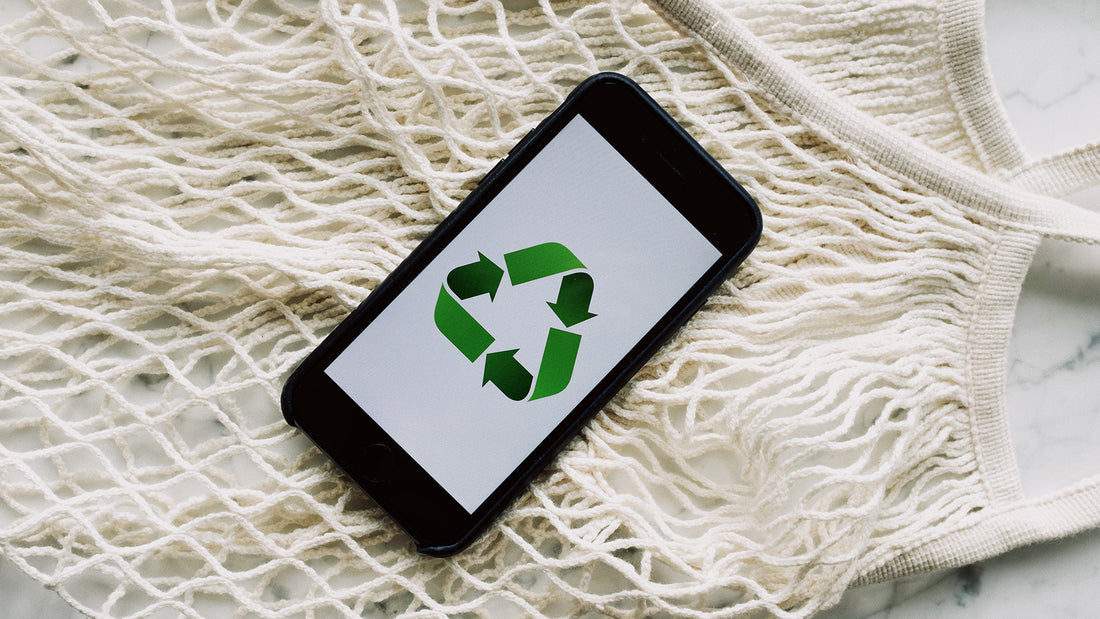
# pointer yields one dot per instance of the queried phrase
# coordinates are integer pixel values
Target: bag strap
(1062, 174)
(1018, 208)
(1068, 512)
(887, 147)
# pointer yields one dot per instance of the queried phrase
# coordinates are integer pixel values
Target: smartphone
(468, 368)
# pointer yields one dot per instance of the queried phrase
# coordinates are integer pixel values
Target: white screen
(641, 254)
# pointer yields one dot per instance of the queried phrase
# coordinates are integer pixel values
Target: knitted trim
(971, 84)
(987, 358)
(1062, 174)
(1065, 513)
(840, 122)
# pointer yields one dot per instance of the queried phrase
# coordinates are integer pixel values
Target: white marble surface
(1046, 61)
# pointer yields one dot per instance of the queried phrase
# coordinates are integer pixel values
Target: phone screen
(476, 361)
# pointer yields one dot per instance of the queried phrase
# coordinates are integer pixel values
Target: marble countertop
(1046, 61)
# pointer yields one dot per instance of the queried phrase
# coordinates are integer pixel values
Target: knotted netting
(193, 194)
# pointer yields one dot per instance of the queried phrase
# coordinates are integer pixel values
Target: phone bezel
(647, 137)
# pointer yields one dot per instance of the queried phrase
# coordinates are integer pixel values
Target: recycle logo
(472, 340)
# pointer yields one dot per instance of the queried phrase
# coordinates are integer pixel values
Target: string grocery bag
(193, 194)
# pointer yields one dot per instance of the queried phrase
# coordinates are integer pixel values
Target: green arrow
(502, 369)
(476, 278)
(558, 359)
(573, 298)
(539, 261)
(460, 328)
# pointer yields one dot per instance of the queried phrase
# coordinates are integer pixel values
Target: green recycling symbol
(472, 340)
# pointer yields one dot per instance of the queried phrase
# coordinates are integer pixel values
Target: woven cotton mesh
(885, 58)
(193, 195)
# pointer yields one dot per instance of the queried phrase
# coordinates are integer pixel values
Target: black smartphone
(523, 313)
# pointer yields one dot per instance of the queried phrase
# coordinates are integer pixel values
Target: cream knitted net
(193, 194)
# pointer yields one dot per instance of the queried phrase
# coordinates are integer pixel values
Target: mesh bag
(193, 194)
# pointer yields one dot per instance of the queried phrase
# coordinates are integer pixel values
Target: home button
(377, 463)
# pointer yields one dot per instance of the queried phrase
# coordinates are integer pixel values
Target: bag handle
(1062, 174)
(1068, 512)
(886, 146)
(1019, 209)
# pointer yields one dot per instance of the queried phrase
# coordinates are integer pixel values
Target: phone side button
(527, 138)
(492, 170)
(377, 463)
